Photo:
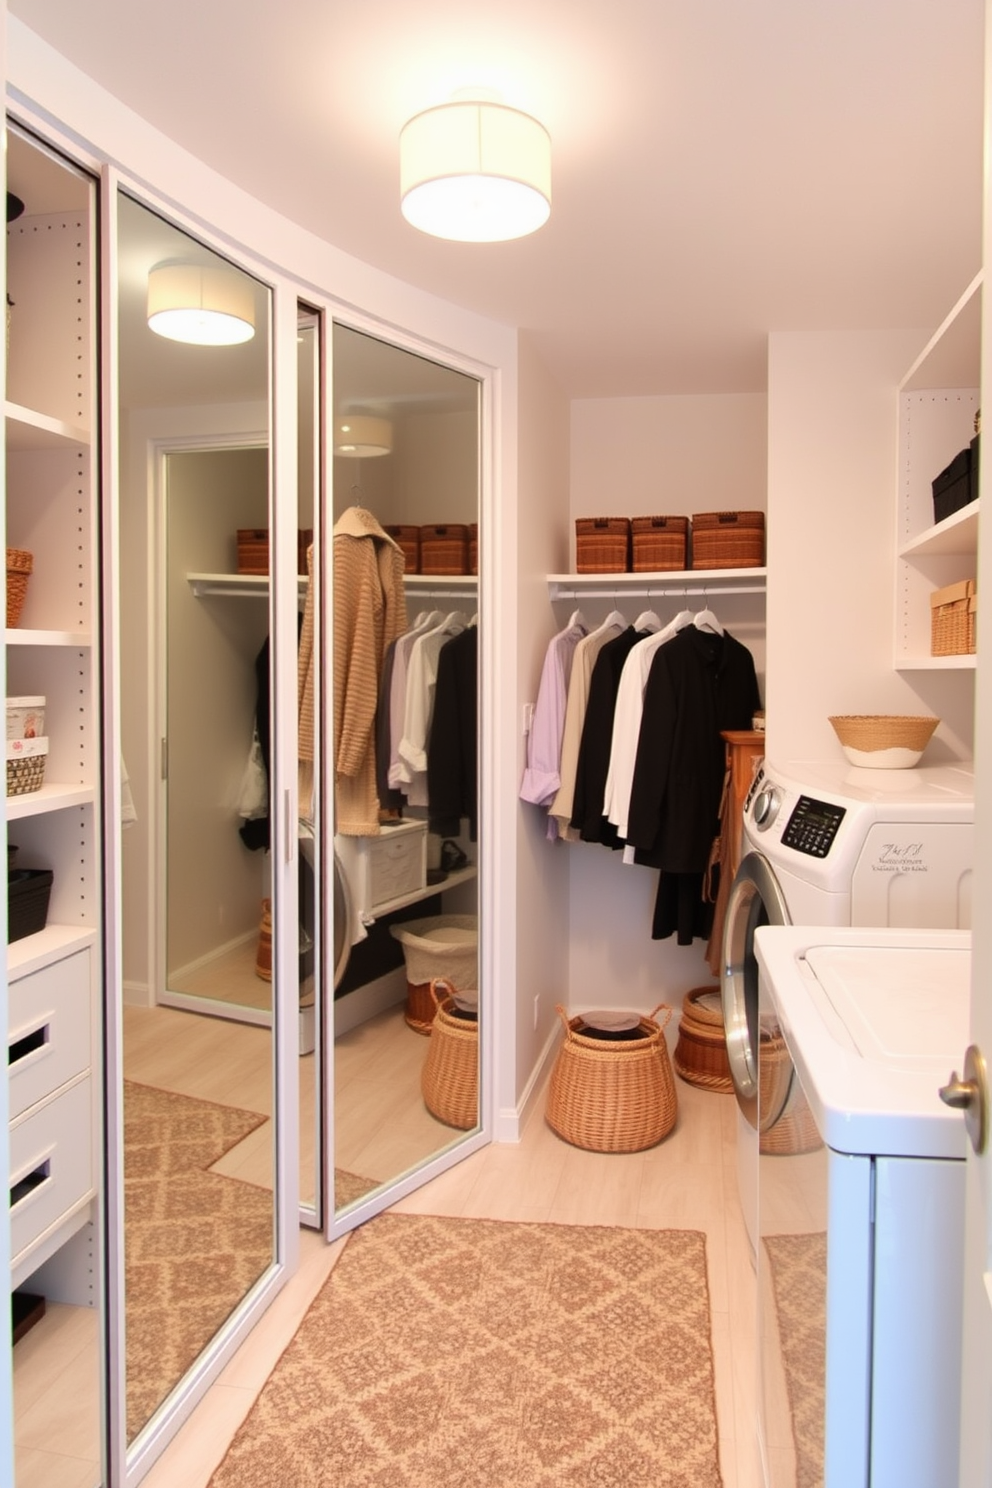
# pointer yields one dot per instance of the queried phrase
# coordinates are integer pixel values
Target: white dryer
(830, 844)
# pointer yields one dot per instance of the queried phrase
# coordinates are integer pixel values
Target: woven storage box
(602, 544)
(19, 565)
(953, 619)
(253, 549)
(444, 548)
(450, 1076)
(407, 539)
(728, 539)
(658, 543)
(613, 1097)
(701, 1051)
(473, 547)
(443, 947)
(792, 1129)
(28, 893)
(26, 761)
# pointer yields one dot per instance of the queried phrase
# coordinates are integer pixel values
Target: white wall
(832, 444)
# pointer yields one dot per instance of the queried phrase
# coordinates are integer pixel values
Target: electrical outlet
(537, 1009)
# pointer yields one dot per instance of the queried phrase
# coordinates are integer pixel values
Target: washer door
(755, 899)
(342, 921)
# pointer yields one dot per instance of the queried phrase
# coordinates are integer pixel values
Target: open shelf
(28, 430)
(671, 583)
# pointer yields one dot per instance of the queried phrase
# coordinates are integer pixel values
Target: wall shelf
(955, 535)
(49, 798)
(71, 638)
(28, 430)
(235, 586)
(671, 584)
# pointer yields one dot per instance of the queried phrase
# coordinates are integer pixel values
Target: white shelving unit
(938, 401)
(667, 585)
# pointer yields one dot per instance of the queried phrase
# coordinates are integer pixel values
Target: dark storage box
(602, 545)
(28, 892)
(658, 543)
(952, 487)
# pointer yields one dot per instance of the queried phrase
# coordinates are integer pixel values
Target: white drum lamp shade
(475, 172)
(361, 435)
(200, 304)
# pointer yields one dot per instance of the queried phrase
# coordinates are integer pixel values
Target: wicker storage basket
(613, 1097)
(444, 548)
(794, 1130)
(442, 947)
(602, 544)
(19, 565)
(253, 550)
(728, 539)
(869, 732)
(953, 618)
(450, 1076)
(26, 761)
(658, 543)
(473, 547)
(701, 1051)
(407, 539)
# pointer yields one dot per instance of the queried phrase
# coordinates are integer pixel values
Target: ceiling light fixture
(361, 435)
(475, 171)
(200, 304)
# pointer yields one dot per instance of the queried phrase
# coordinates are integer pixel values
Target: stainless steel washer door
(755, 899)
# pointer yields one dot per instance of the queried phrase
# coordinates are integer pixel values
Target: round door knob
(970, 1094)
(766, 804)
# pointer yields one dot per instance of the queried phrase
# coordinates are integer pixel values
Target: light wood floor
(689, 1181)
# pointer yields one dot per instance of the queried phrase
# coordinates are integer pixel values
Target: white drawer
(50, 1164)
(48, 1030)
(397, 862)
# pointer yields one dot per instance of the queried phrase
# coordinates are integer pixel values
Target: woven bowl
(884, 741)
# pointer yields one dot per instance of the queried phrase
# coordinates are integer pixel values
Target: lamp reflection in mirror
(361, 435)
(200, 304)
(475, 171)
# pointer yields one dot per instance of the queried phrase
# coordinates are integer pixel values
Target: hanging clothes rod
(654, 591)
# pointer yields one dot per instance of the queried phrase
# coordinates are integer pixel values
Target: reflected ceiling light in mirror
(200, 304)
(475, 171)
(362, 435)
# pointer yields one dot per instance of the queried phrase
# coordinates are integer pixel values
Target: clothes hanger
(647, 620)
(682, 619)
(706, 620)
(578, 619)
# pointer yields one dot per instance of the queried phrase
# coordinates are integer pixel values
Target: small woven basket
(602, 545)
(26, 774)
(728, 539)
(700, 1056)
(613, 1097)
(19, 565)
(449, 1079)
(444, 548)
(658, 543)
(407, 539)
(440, 947)
(871, 731)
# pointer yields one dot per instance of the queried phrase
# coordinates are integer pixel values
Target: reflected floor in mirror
(381, 1126)
(230, 978)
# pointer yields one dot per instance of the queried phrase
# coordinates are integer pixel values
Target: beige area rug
(195, 1241)
(472, 1353)
(349, 1187)
(799, 1279)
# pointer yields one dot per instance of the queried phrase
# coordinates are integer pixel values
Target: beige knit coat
(369, 613)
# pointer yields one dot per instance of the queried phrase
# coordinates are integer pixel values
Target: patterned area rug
(799, 1277)
(479, 1354)
(195, 1242)
(349, 1187)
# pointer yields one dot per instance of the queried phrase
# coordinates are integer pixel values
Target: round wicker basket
(700, 1056)
(449, 1079)
(871, 731)
(444, 947)
(613, 1097)
(19, 565)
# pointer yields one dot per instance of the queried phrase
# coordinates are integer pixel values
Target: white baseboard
(374, 997)
(213, 955)
(137, 994)
(510, 1119)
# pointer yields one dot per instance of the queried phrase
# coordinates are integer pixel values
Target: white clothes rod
(653, 591)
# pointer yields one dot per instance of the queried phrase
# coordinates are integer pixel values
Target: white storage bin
(382, 869)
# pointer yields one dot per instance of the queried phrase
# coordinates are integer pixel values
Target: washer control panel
(813, 826)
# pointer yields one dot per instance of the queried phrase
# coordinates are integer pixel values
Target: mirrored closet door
(196, 667)
(408, 1010)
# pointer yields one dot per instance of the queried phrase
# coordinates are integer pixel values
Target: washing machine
(831, 844)
(860, 1265)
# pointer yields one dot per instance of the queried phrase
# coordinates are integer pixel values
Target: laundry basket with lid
(440, 946)
(613, 1096)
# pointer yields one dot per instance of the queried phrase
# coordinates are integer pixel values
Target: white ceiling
(721, 168)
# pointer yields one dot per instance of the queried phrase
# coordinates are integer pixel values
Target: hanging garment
(699, 684)
(452, 751)
(369, 613)
(421, 679)
(397, 692)
(304, 698)
(583, 661)
(541, 777)
(597, 734)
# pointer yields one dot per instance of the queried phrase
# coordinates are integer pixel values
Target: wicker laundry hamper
(700, 1056)
(613, 1097)
(794, 1130)
(450, 1076)
(19, 565)
(442, 947)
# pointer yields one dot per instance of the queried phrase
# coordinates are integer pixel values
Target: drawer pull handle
(22, 1047)
(30, 1182)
